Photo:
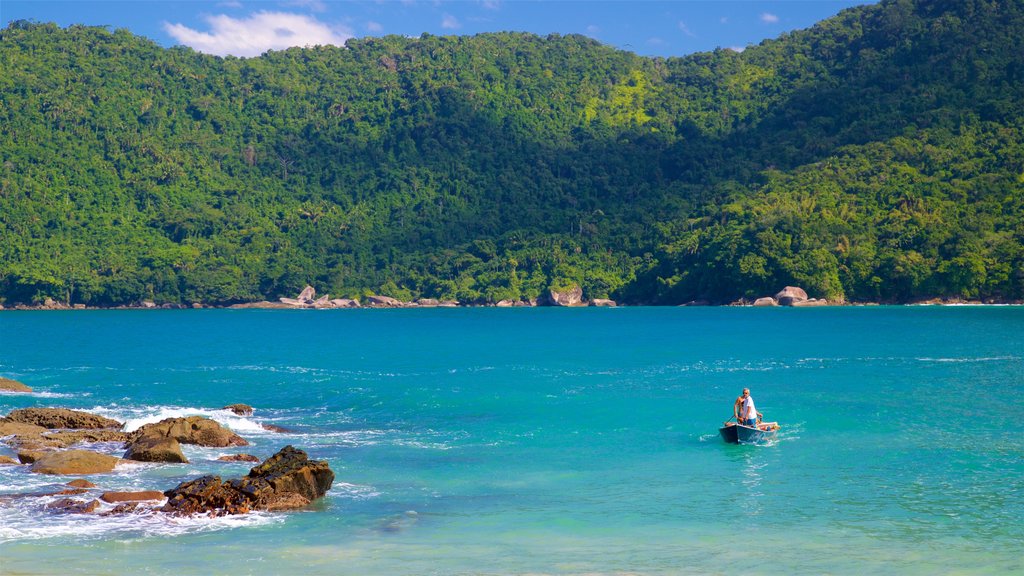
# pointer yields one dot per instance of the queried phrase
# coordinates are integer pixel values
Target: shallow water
(549, 441)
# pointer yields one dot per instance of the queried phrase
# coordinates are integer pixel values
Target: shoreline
(266, 305)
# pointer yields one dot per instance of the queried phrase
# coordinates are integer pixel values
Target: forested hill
(876, 156)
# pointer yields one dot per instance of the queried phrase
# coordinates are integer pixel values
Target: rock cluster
(286, 480)
(789, 296)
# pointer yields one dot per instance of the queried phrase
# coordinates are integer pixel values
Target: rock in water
(74, 463)
(192, 430)
(284, 481)
(307, 295)
(239, 409)
(61, 418)
(13, 386)
(155, 449)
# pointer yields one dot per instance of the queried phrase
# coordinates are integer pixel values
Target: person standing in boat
(744, 409)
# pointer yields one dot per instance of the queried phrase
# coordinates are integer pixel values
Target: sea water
(547, 441)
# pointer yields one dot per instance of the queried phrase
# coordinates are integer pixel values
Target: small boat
(734, 433)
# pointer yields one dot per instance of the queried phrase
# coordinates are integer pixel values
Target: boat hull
(739, 434)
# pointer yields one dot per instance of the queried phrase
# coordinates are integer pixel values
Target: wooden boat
(734, 433)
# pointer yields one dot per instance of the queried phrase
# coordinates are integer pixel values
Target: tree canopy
(876, 156)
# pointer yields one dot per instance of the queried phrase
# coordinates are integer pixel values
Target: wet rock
(72, 506)
(274, 428)
(8, 385)
(81, 483)
(284, 481)
(141, 496)
(191, 430)
(8, 461)
(66, 438)
(239, 409)
(11, 428)
(61, 418)
(239, 458)
(155, 449)
(126, 508)
(73, 463)
(30, 456)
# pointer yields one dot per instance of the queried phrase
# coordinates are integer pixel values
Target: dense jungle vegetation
(876, 156)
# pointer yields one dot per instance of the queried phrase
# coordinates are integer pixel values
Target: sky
(247, 28)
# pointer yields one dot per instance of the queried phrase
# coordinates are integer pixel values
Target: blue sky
(249, 28)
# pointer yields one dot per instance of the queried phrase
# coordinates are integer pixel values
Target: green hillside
(876, 156)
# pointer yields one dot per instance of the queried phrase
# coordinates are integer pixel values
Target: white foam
(135, 418)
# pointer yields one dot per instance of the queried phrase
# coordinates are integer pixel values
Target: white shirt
(748, 410)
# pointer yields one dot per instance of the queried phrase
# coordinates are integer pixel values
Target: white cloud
(256, 34)
(685, 29)
(374, 26)
(769, 18)
(450, 22)
(593, 30)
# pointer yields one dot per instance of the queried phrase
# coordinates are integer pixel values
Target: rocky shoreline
(572, 298)
(56, 441)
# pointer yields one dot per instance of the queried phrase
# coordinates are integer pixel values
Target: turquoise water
(549, 441)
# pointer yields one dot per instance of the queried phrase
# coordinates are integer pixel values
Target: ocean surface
(547, 441)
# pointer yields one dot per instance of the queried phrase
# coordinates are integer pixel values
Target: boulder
(448, 304)
(61, 418)
(81, 483)
(307, 295)
(292, 301)
(428, 302)
(30, 456)
(12, 428)
(604, 302)
(322, 302)
(383, 302)
(191, 430)
(344, 303)
(240, 409)
(205, 495)
(238, 458)
(155, 449)
(284, 481)
(66, 438)
(273, 428)
(570, 297)
(74, 463)
(810, 303)
(72, 506)
(8, 461)
(117, 497)
(790, 295)
(8, 385)
(766, 301)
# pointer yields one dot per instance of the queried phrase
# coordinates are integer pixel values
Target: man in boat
(744, 411)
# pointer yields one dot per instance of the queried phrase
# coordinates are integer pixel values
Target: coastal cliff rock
(191, 430)
(8, 385)
(284, 481)
(790, 295)
(570, 297)
(61, 418)
(308, 294)
(74, 463)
